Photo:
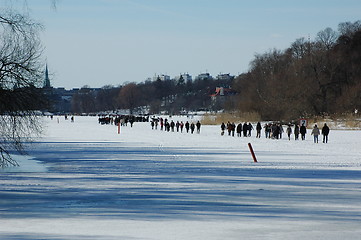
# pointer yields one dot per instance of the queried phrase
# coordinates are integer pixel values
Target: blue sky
(101, 42)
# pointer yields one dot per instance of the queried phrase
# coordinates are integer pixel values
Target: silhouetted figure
(192, 127)
(245, 129)
(325, 132)
(187, 126)
(223, 128)
(296, 131)
(289, 132)
(303, 131)
(198, 125)
(239, 130)
(258, 129)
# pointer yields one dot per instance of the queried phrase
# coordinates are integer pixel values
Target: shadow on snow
(115, 180)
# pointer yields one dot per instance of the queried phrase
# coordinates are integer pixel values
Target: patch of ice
(26, 164)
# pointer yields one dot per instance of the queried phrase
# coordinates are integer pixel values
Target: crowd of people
(123, 120)
(274, 130)
(245, 129)
(178, 126)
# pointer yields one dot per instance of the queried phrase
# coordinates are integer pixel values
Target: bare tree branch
(20, 73)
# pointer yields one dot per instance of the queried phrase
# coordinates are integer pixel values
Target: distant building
(59, 100)
(185, 76)
(220, 95)
(162, 77)
(204, 76)
(46, 80)
(223, 91)
(224, 77)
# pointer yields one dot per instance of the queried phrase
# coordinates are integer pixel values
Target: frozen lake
(82, 180)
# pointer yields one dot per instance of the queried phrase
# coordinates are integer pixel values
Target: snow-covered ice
(82, 180)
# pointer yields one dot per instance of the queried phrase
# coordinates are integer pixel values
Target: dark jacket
(258, 127)
(239, 128)
(325, 130)
(303, 129)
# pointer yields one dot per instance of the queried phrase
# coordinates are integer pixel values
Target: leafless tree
(299, 48)
(20, 75)
(347, 29)
(327, 38)
(129, 97)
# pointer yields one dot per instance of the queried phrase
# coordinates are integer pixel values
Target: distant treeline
(172, 96)
(311, 77)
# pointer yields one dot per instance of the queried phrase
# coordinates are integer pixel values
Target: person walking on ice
(187, 126)
(325, 131)
(198, 125)
(258, 129)
(297, 131)
(315, 132)
(303, 131)
(192, 127)
(289, 132)
(250, 128)
(239, 130)
(223, 128)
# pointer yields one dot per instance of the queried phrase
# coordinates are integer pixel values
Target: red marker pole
(119, 128)
(252, 152)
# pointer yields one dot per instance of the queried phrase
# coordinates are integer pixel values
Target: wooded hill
(310, 78)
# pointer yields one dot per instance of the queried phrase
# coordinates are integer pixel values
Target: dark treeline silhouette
(308, 78)
(172, 96)
(88, 101)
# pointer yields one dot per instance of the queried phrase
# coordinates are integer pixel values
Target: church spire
(46, 80)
